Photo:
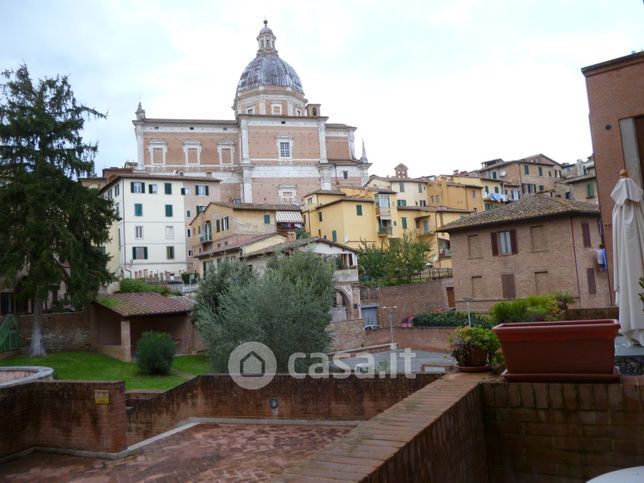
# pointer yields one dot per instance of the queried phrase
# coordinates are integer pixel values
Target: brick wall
(435, 434)
(218, 396)
(347, 334)
(419, 338)
(64, 331)
(62, 414)
(562, 432)
(410, 299)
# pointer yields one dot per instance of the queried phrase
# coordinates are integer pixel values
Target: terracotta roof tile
(535, 206)
(131, 304)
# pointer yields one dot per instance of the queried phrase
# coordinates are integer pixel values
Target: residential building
(347, 301)
(494, 190)
(536, 245)
(148, 240)
(443, 191)
(409, 191)
(277, 148)
(616, 111)
(533, 174)
(353, 216)
(222, 229)
(426, 223)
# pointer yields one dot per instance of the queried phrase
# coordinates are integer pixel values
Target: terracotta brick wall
(419, 338)
(410, 299)
(348, 334)
(62, 414)
(352, 398)
(562, 432)
(433, 435)
(64, 331)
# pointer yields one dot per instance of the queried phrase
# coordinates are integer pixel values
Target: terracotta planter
(476, 362)
(574, 351)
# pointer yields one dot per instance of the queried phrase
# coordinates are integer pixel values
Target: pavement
(394, 361)
(206, 452)
(623, 348)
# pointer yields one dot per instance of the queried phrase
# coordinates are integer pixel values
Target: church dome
(267, 69)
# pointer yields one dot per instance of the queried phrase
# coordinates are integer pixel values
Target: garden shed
(118, 321)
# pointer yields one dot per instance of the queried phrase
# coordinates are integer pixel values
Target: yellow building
(443, 191)
(224, 229)
(353, 216)
(425, 223)
(409, 191)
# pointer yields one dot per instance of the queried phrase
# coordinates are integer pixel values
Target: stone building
(616, 111)
(537, 245)
(278, 147)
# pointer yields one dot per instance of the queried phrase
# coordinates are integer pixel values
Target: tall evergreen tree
(51, 227)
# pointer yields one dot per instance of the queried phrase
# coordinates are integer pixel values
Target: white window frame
(283, 189)
(226, 145)
(117, 188)
(285, 140)
(158, 144)
(200, 190)
(153, 189)
(276, 109)
(505, 243)
(169, 232)
(138, 187)
(187, 146)
(138, 232)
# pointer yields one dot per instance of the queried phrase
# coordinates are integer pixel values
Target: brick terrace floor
(206, 452)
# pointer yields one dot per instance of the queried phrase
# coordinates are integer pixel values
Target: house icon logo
(252, 365)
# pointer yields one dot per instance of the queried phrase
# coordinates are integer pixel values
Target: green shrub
(131, 285)
(155, 352)
(465, 339)
(531, 309)
(185, 277)
(449, 319)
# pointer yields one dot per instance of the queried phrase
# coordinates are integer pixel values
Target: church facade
(278, 148)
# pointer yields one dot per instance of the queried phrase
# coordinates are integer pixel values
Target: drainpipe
(574, 257)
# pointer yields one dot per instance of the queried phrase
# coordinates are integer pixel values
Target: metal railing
(9, 333)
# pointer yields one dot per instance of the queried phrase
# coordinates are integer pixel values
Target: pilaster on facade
(140, 150)
(323, 155)
(325, 177)
(244, 142)
(247, 184)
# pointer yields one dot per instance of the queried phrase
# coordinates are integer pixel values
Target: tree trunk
(37, 348)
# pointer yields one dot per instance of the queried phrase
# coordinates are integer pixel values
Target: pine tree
(51, 227)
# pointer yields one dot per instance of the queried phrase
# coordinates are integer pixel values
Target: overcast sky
(437, 85)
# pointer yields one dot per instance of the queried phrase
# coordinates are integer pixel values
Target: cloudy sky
(438, 85)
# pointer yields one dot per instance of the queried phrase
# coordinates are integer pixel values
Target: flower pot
(573, 351)
(476, 361)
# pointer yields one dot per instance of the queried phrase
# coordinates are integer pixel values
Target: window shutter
(507, 284)
(131, 186)
(592, 287)
(145, 253)
(133, 253)
(183, 192)
(513, 242)
(585, 232)
(207, 191)
(495, 244)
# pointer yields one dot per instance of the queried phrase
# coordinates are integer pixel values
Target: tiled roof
(433, 209)
(131, 304)
(535, 206)
(258, 206)
(238, 244)
(325, 192)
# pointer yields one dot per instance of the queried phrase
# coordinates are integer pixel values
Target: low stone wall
(63, 331)
(412, 299)
(592, 314)
(435, 434)
(419, 338)
(347, 334)
(63, 414)
(219, 396)
(539, 432)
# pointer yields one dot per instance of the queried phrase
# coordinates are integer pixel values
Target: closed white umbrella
(628, 256)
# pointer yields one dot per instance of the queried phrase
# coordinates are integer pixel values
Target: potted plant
(562, 351)
(473, 348)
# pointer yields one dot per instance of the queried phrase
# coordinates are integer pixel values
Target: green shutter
(138, 209)
(168, 188)
(207, 191)
(131, 186)
(359, 210)
(334, 236)
(168, 210)
(133, 253)
(267, 219)
(404, 222)
(145, 253)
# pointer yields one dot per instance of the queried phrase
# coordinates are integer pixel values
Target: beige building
(533, 174)
(224, 229)
(444, 191)
(536, 245)
(409, 191)
(277, 148)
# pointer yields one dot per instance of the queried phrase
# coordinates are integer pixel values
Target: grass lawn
(91, 366)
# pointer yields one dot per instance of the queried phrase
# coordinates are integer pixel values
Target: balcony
(444, 253)
(385, 231)
(383, 211)
(205, 237)
(345, 275)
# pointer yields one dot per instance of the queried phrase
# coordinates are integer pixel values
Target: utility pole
(391, 323)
